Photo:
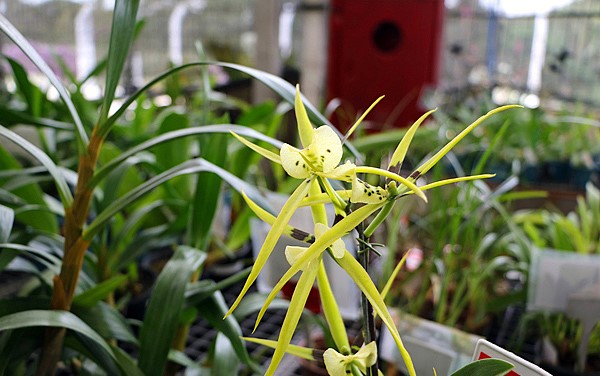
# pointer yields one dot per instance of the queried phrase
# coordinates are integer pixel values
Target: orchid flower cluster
(317, 164)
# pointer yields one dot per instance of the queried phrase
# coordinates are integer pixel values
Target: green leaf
(48, 318)
(164, 309)
(207, 191)
(189, 167)
(44, 159)
(212, 309)
(7, 216)
(206, 129)
(13, 34)
(225, 361)
(93, 352)
(121, 38)
(106, 321)
(100, 291)
(485, 367)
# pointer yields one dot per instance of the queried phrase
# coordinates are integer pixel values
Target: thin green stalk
(368, 318)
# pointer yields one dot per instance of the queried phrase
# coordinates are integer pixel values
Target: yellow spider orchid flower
(337, 364)
(321, 157)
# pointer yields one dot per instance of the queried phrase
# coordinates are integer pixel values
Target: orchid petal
(363, 192)
(260, 150)
(272, 237)
(338, 248)
(305, 284)
(305, 129)
(293, 163)
(318, 247)
(400, 152)
(344, 172)
(326, 148)
(292, 253)
(335, 363)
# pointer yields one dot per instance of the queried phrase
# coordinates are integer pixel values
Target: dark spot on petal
(328, 150)
(415, 175)
(297, 163)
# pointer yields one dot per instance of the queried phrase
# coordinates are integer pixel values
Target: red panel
(384, 47)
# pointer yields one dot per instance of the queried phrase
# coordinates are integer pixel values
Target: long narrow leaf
(206, 129)
(40, 156)
(48, 318)
(13, 34)
(164, 310)
(100, 291)
(121, 37)
(189, 167)
(7, 216)
(212, 309)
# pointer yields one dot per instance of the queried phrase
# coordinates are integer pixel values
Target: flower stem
(368, 318)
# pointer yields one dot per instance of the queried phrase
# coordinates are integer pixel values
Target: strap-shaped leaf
(164, 309)
(277, 229)
(44, 159)
(318, 247)
(7, 216)
(166, 137)
(121, 37)
(13, 34)
(98, 292)
(51, 318)
(212, 309)
(188, 167)
(362, 279)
